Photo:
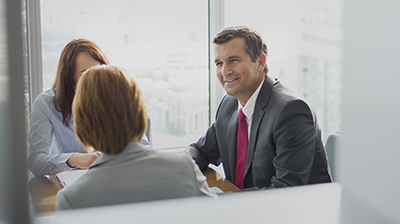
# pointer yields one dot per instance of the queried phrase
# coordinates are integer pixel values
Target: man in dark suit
(279, 144)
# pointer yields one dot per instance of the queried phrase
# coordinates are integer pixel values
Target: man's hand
(83, 160)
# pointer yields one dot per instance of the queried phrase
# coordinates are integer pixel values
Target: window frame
(216, 22)
(34, 43)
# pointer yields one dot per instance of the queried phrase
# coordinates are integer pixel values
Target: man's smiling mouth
(231, 80)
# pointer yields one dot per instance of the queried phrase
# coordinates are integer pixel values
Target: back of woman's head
(109, 110)
(65, 79)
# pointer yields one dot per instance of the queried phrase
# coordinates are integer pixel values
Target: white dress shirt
(248, 109)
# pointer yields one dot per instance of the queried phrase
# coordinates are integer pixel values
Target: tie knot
(242, 117)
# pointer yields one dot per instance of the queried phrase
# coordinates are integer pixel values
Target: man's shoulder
(285, 93)
(229, 102)
(226, 108)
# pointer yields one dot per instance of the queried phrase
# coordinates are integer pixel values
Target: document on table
(68, 177)
(216, 190)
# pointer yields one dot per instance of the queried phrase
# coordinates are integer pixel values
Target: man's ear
(261, 60)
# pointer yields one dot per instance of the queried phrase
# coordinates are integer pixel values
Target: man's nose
(226, 70)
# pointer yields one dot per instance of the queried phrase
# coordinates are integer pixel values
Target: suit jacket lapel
(231, 136)
(261, 102)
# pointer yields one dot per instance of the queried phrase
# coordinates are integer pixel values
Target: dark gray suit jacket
(285, 146)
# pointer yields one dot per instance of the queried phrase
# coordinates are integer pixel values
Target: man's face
(238, 75)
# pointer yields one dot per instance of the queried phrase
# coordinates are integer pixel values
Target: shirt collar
(248, 109)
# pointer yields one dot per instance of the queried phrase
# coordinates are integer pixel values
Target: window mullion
(34, 36)
(216, 22)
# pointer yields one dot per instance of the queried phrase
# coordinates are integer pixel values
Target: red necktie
(242, 140)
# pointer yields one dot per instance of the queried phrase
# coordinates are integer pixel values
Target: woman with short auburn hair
(53, 145)
(110, 116)
(109, 110)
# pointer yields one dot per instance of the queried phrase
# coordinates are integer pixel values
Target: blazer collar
(231, 136)
(261, 103)
(263, 96)
(132, 147)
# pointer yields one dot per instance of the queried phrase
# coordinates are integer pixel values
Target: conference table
(43, 190)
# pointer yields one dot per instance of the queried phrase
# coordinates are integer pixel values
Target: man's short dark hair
(254, 43)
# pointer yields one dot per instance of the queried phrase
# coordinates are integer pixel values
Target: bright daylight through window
(164, 44)
(304, 40)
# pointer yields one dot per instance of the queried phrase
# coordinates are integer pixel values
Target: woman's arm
(83, 160)
(40, 160)
(47, 154)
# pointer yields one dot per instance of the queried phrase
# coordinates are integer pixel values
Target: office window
(304, 48)
(164, 44)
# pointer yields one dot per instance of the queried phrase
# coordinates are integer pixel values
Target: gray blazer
(135, 175)
(285, 146)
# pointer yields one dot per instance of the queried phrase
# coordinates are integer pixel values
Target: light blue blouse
(51, 142)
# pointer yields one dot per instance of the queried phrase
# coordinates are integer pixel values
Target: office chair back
(148, 130)
(331, 147)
